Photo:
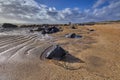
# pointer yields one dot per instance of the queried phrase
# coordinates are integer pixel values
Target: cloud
(99, 3)
(110, 12)
(24, 10)
(29, 11)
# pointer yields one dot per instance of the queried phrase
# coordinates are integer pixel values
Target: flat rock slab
(18, 48)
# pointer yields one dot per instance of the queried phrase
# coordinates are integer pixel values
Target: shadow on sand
(71, 59)
(68, 62)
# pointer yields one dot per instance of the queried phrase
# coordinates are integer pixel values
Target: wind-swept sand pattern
(95, 56)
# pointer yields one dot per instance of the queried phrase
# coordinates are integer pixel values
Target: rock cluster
(47, 30)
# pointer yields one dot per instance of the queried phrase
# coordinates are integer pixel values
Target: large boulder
(55, 52)
(8, 25)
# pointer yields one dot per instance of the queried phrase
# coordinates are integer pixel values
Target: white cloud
(99, 3)
(29, 11)
(26, 10)
(110, 12)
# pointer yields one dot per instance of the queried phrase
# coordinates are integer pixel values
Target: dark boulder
(73, 27)
(8, 25)
(49, 30)
(31, 30)
(52, 30)
(72, 35)
(55, 52)
(91, 30)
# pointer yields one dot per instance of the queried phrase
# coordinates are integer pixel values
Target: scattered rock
(31, 30)
(47, 30)
(73, 27)
(91, 30)
(72, 35)
(8, 25)
(44, 29)
(53, 30)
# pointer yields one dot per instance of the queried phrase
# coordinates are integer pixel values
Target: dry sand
(95, 56)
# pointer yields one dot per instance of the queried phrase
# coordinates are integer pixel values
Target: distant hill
(108, 22)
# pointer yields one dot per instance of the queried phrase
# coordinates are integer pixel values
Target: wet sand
(95, 56)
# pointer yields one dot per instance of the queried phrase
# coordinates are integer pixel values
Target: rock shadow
(71, 59)
(67, 62)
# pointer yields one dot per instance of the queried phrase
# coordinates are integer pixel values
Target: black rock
(53, 30)
(8, 25)
(73, 27)
(31, 30)
(50, 30)
(72, 35)
(92, 30)
(55, 52)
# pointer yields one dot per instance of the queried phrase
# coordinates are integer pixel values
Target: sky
(62, 4)
(58, 11)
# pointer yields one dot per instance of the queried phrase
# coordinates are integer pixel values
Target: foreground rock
(55, 52)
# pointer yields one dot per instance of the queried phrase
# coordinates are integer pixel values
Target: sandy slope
(93, 57)
(103, 58)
